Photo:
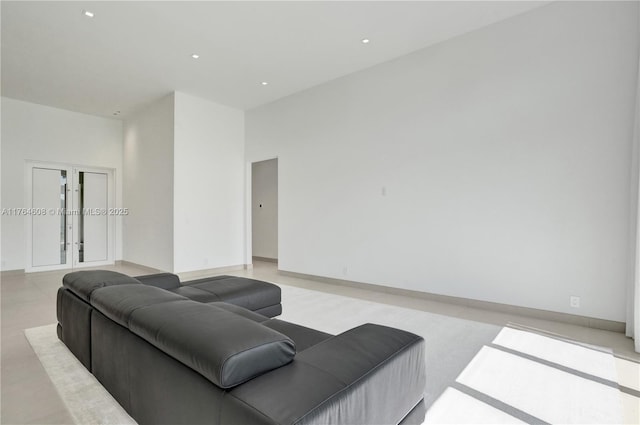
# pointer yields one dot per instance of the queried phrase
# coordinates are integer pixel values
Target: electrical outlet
(574, 301)
(345, 270)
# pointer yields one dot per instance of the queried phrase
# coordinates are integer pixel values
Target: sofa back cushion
(120, 301)
(84, 282)
(222, 346)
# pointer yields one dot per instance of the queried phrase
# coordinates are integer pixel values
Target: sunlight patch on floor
(523, 375)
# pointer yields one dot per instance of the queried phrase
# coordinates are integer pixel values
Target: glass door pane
(48, 218)
(93, 224)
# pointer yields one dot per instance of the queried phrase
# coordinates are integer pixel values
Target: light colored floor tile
(27, 315)
(59, 417)
(18, 360)
(26, 293)
(28, 300)
(631, 409)
(455, 407)
(29, 400)
(629, 373)
(544, 392)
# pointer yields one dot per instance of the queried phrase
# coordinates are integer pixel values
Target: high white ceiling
(131, 53)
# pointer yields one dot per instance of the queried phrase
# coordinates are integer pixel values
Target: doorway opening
(264, 210)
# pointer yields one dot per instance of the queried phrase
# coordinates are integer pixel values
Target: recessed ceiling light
(264, 83)
(88, 13)
(365, 41)
(195, 56)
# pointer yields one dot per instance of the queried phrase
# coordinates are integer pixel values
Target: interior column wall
(149, 193)
(209, 180)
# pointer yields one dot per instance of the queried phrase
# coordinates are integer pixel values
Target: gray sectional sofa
(197, 353)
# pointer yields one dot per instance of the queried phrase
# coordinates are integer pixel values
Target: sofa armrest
(369, 374)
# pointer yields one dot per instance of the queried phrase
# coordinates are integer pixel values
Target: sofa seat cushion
(366, 375)
(302, 336)
(83, 283)
(224, 347)
(196, 294)
(160, 280)
(251, 315)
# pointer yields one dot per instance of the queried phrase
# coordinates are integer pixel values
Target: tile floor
(28, 300)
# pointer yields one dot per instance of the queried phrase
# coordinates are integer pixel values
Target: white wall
(504, 155)
(209, 182)
(264, 208)
(149, 190)
(41, 133)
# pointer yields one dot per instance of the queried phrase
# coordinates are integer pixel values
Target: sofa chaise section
(255, 295)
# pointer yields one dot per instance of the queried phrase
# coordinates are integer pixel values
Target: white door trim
(111, 223)
(71, 224)
(30, 165)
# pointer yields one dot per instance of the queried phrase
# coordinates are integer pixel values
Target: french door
(68, 220)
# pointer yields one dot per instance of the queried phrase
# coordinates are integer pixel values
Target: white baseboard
(129, 263)
(265, 259)
(589, 322)
(196, 274)
(7, 273)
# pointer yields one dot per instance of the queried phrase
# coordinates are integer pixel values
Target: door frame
(71, 224)
(28, 223)
(249, 208)
(111, 222)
